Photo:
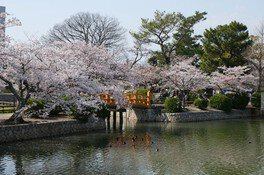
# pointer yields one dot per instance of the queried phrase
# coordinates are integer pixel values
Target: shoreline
(155, 115)
(61, 126)
(29, 131)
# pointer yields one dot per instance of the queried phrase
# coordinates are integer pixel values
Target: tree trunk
(183, 99)
(260, 81)
(17, 117)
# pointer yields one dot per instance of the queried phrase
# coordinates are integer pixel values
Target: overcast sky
(38, 16)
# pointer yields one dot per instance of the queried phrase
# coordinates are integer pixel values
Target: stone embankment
(10, 133)
(155, 115)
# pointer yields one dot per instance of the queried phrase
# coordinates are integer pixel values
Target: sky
(38, 16)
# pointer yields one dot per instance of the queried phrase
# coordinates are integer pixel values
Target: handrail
(133, 99)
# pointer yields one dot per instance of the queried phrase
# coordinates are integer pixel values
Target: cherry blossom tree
(184, 76)
(52, 72)
(144, 74)
(255, 55)
(8, 22)
(19, 74)
(237, 78)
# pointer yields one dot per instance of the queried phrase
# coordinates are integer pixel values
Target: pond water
(217, 147)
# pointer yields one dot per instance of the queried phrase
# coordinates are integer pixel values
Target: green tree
(172, 33)
(224, 46)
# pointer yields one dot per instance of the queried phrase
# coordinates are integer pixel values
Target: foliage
(82, 113)
(79, 72)
(36, 104)
(224, 46)
(221, 102)
(239, 100)
(142, 91)
(172, 33)
(255, 55)
(237, 78)
(192, 96)
(103, 111)
(256, 100)
(58, 109)
(173, 105)
(201, 103)
(184, 77)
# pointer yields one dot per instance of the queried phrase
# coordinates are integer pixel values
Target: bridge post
(108, 123)
(121, 120)
(114, 120)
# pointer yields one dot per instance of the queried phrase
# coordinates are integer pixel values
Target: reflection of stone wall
(39, 130)
(154, 115)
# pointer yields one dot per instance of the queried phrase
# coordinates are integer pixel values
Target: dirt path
(4, 116)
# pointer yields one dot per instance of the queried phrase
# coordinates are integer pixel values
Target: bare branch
(94, 29)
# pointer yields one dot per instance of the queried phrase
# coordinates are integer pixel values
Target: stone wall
(155, 115)
(39, 130)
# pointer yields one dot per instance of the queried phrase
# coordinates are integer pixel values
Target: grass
(7, 109)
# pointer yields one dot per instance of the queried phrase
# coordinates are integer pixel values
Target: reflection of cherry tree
(237, 78)
(184, 76)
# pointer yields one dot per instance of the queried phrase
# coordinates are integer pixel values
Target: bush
(173, 105)
(221, 102)
(38, 104)
(56, 110)
(201, 103)
(142, 91)
(256, 100)
(102, 112)
(239, 100)
(82, 114)
(192, 96)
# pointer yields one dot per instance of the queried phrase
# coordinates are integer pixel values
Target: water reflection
(220, 147)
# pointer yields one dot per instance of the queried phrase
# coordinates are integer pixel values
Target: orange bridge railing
(133, 99)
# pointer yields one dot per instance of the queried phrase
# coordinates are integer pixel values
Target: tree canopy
(172, 33)
(90, 28)
(224, 46)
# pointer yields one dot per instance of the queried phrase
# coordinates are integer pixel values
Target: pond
(217, 147)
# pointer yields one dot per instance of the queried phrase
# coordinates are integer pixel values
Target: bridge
(133, 99)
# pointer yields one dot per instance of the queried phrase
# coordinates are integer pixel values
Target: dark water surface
(218, 147)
